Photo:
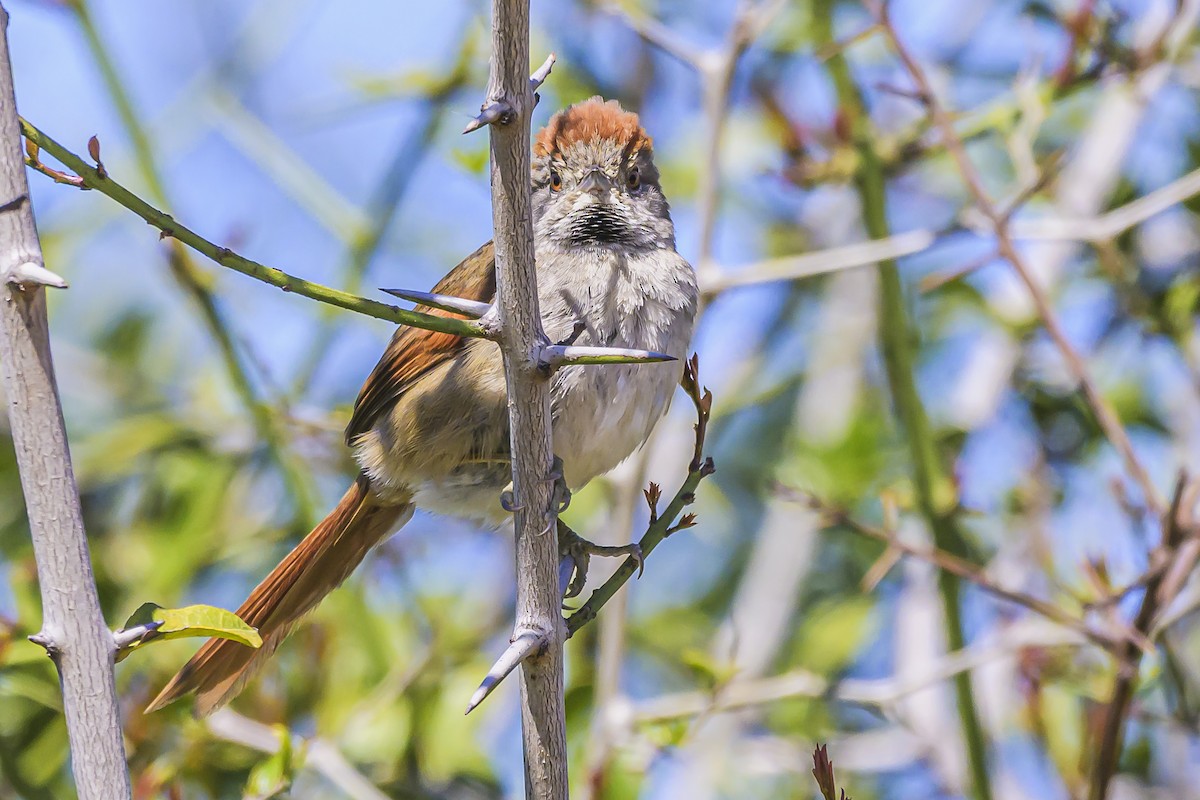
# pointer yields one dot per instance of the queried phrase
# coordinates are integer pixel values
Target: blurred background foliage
(205, 410)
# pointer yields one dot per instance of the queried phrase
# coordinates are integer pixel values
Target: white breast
(645, 300)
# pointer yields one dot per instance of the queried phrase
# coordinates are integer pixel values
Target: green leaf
(273, 776)
(189, 621)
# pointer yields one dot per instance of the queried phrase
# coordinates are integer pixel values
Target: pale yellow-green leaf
(190, 621)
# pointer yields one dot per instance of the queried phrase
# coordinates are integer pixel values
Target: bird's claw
(562, 494)
(508, 500)
(579, 551)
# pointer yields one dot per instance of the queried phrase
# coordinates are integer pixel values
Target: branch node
(501, 112)
(45, 641)
(498, 112)
(522, 646)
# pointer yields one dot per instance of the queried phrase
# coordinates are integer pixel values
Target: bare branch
(1106, 417)
(956, 566)
(869, 692)
(1112, 224)
(820, 262)
(1178, 532)
(543, 704)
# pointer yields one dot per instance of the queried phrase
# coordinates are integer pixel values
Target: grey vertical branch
(73, 630)
(543, 716)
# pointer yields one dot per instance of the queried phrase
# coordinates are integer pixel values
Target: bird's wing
(414, 351)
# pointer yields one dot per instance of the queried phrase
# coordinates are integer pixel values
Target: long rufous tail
(325, 558)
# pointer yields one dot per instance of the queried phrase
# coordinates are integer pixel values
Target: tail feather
(325, 558)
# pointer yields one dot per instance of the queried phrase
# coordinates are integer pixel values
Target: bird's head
(594, 181)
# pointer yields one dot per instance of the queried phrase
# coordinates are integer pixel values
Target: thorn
(539, 77)
(46, 642)
(125, 637)
(490, 114)
(471, 308)
(508, 502)
(500, 111)
(639, 558)
(558, 355)
(32, 274)
(521, 647)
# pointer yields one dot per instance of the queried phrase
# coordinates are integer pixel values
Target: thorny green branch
(91, 178)
(662, 523)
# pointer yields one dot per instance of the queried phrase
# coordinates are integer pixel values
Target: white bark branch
(543, 710)
(73, 630)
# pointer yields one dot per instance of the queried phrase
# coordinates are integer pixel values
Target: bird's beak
(596, 183)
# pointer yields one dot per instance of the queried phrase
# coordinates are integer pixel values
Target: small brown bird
(430, 427)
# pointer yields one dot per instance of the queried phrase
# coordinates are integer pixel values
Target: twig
(957, 566)
(1178, 534)
(655, 33)
(323, 756)
(73, 630)
(1106, 417)
(668, 521)
(820, 262)
(1111, 224)
(879, 692)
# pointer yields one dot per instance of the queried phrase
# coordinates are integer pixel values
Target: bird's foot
(577, 552)
(560, 496)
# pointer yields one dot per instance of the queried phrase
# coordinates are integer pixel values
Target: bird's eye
(555, 181)
(633, 180)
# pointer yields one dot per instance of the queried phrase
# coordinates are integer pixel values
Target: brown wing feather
(414, 351)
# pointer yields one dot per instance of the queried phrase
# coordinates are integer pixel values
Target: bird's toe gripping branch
(576, 553)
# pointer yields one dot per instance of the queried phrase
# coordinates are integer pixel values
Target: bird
(429, 429)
